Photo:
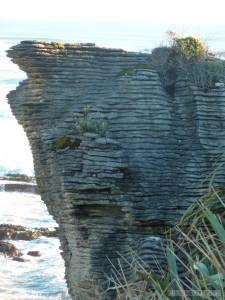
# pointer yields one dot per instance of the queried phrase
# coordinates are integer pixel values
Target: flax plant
(195, 254)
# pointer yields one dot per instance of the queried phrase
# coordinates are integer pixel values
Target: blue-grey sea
(43, 278)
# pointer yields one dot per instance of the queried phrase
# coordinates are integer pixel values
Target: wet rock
(17, 232)
(20, 187)
(18, 183)
(34, 253)
(8, 249)
(48, 233)
(18, 177)
(20, 259)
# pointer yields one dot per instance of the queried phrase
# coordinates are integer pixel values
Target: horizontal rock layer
(122, 191)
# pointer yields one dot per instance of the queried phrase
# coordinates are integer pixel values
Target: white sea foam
(15, 155)
(24, 209)
(15, 152)
(42, 277)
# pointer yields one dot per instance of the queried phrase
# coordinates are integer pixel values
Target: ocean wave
(14, 140)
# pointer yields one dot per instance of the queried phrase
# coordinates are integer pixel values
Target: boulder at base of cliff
(17, 232)
(18, 177)
(8, 249)
(34, 253)
(18, 183)
(20, 259)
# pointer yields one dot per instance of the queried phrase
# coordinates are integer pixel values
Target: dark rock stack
(122, 191)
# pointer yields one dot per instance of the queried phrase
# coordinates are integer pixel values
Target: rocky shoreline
(17, 232)
(25, 184)
(18, 183)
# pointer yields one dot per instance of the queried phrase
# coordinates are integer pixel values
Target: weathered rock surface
(120, 192)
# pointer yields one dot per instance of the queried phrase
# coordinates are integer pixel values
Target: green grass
(195, 260)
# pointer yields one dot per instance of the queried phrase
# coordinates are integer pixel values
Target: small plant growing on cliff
(187, 58)
(66, 142)
(132, 70)
(59, 45)
(88, 124)
(188, 47)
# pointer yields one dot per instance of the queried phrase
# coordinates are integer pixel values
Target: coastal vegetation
(184, 58)
(132, 70)
(58, 45)
(85, 123)
(195, 255)
(187, 58)
(67, 142)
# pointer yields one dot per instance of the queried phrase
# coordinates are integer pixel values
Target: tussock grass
(195, 254)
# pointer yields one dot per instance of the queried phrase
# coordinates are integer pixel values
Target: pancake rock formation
(119, 189)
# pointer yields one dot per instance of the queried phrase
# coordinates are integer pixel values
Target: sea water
(43, 277)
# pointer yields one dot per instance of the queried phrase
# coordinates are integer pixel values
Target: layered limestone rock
(113, 193)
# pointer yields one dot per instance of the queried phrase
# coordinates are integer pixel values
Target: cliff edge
(120, 189)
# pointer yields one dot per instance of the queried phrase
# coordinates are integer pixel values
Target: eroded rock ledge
(119, 192)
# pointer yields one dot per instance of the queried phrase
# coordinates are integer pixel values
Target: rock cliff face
(110, 194)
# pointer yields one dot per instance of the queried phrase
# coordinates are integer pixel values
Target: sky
(141, 11)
